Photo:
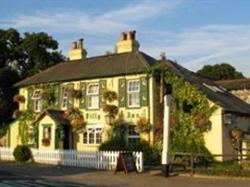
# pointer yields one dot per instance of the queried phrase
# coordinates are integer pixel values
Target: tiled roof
(214, 92)
(56, 115)
(95, 67)
(132, 63)
(236, 84)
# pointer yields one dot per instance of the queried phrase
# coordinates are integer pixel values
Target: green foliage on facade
(26, 130)
(190, 115)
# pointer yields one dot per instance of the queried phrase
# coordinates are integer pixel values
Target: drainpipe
(166, 129)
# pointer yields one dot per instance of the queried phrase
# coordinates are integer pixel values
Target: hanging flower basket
(202, 122)
(19, 98)
(48, 96)
(110, 96)
(46, 142)
(143, 125)
(237, 134)
(76, 119)
(75, 93)
(17, 113)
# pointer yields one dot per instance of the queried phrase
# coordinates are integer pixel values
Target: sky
(192, 32)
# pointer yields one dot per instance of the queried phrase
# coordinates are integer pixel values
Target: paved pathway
(22, 175)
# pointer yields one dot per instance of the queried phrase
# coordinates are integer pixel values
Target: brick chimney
(77, 51)
(127, 42)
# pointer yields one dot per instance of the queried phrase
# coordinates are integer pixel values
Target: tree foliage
(22, 56)
(222, 71)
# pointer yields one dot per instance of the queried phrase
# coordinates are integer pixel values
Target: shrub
(113, 145)
(151, 154)
(22, 153)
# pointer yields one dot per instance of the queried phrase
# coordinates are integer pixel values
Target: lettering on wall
(93, 116)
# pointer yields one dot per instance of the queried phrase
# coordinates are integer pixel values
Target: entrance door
(66, 140)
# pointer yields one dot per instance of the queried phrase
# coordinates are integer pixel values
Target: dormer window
(93, 96)
(36, 97)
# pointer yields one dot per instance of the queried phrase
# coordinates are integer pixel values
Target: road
(21, 175)
(37, 183)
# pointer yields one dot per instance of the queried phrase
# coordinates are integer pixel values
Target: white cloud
(106, 22)
(206, 45)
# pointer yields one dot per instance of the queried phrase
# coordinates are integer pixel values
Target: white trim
(130, 92)
(37, 100)
(64, 91)
(94, 128)
(94, 95)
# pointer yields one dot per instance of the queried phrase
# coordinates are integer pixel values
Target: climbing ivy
(48, 95)
(26, 133)
(190, 113)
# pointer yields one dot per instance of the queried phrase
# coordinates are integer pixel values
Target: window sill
(91, 145)
(133, 107)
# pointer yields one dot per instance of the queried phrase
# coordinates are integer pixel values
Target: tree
(222, 71)
(21, 57)
(7, 78)
(40, 50)
(11, 47)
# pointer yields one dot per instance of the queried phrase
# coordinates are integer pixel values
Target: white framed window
(92, 135)
(46, 132)
(37, 100)
(93, 96)
(65, 98)
(133, 136)
(133, 93)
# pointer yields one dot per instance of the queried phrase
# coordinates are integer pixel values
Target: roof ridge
(233, 80)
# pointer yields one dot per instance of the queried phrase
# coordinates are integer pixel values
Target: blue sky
(192, 32)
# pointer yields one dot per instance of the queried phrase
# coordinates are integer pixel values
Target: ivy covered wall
(190, 113)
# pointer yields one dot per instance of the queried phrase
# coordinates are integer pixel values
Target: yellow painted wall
(213, 138)
(46, 121)
(98, 116)
(14, 137)
(23, 106)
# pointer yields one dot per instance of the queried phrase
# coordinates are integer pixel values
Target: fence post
(192, 163)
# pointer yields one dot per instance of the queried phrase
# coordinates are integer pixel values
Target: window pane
(65, 99)
(133, 86)
(91, 138)
(134, 99)
(36, 94)
(98, 138)
(93, 89)
(47, 132)
(85, 137)
(37, 105)
(93, 101)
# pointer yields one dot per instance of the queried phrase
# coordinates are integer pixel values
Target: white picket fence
(101, 160)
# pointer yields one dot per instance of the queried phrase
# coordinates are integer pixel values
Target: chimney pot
(123, 36)
(80, 44)
(74, 45)
(131, 35)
